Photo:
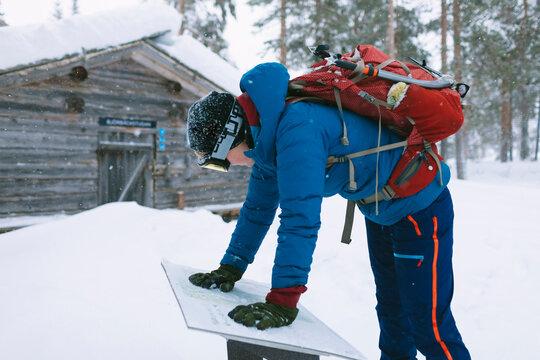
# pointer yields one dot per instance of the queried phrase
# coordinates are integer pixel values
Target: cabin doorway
(125, 167)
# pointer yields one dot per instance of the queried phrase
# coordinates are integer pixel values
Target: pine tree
(278, 12)
(205, 20)
(480, 57)
(2, 21)
(57, 14)
(369, 23)
(502, 47)
(75, 7)
(303, 24)
(527, 34)
(340, 24)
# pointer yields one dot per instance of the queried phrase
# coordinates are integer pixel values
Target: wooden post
(237, 350)
(181, 200)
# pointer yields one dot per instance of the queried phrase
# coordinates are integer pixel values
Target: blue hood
(266, 84)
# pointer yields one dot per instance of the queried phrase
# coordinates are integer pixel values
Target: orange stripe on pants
(434, 309)
(415, 225)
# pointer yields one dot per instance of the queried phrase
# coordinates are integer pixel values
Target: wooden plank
(202, 196)
(131, 71)
(171, 69)
(156, 56)
(176, 178)
(10, 156)
(53, 98)
(94, 111)
(45, 187)
(48, 171)
(51, 68)
(34, 140)
(38, 124)
(9, 107)
(111, 145)
(122, 76)
(56, 203)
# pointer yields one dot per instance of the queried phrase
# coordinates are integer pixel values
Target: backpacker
(423, 117)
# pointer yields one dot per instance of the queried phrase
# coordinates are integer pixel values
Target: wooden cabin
(102, 126)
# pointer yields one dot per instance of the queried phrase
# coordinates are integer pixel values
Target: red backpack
(431, 111)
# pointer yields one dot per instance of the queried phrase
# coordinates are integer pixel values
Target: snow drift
(90, 286)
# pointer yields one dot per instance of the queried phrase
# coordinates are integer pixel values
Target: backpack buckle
(364, 95)
(387, 192)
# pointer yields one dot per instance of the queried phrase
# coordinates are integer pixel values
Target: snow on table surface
(207, 309)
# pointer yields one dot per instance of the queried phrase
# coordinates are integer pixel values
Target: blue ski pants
(412, 265)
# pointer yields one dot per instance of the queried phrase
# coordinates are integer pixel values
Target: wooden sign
(109, 121)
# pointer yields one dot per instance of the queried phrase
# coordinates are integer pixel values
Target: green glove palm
(263, 315)
(223, 278)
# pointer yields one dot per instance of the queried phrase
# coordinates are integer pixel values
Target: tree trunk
(181, 4)
(524, 112)
(283, 34)
(444, 35)
(506, 119)
(75, 7)
(390, 37)
(506, 97)
(444, 60)
(58, 15)
(524, 105)
(459, 136)
(321, 23)
(537, 133)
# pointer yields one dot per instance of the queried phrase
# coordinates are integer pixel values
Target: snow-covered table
(206, 310)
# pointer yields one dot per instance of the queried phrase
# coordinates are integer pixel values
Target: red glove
(286, 296)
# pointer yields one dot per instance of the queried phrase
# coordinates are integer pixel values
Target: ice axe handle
(345, 64)
(368, 70)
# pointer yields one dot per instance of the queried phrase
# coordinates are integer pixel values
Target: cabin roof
(31, 52)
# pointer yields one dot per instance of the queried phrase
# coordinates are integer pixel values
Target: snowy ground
(90, 286)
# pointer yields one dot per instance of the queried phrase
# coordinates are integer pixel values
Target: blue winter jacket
(290, 153)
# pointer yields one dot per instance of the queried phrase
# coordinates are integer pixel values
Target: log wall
(49, 135)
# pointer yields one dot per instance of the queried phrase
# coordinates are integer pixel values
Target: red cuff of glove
(286, 296)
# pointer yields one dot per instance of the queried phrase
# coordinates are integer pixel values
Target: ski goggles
(217, 159)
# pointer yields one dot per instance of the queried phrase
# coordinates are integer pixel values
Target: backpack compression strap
(338, 159)
(386, 193)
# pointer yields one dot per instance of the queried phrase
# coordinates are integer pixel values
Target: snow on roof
(32, 44)
(196, 56)
(27, 44)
